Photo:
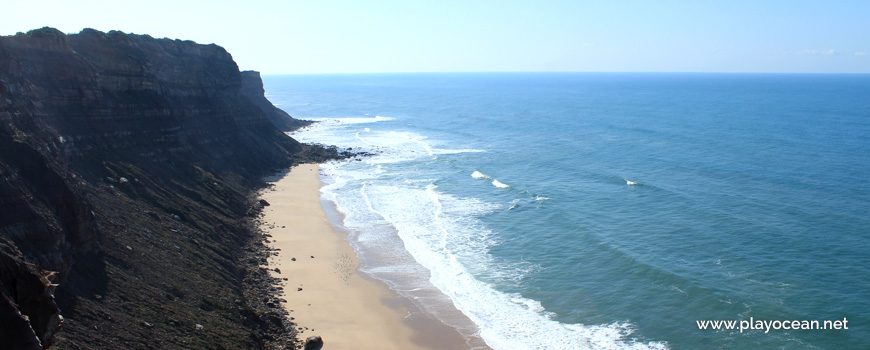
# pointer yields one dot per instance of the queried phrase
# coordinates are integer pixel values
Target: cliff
(252, 88)
(127, 167)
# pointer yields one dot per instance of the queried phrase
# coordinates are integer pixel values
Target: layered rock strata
(127, 168)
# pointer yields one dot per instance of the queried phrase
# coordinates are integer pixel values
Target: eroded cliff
(127, 165)
(252, 88)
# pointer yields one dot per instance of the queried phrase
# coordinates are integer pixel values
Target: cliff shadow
(87, 279)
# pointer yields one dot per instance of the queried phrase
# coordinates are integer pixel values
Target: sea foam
(499, 184)
(411, 228)
(479, 175)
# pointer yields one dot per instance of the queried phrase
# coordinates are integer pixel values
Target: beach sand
(335, 302)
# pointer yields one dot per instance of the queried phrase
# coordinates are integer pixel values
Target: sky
(376, 36)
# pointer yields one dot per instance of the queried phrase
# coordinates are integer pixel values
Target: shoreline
(326, 295)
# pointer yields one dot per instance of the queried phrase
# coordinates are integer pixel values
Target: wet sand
(324, 291)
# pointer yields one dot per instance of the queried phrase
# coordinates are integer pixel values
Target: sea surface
(606, 210)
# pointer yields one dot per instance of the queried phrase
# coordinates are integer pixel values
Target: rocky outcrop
(28, 312)
(252, 88)
(127, 167)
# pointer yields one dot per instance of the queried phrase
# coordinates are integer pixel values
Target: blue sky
(460, 36)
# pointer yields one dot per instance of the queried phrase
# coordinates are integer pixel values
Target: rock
(313, 343)
(252, 88)
(163, 121)
(264, 203)
(292, 259)
(28, 313)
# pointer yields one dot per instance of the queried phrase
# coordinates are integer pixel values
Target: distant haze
(373, 36)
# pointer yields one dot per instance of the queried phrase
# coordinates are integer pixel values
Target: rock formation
(27, 290)
(252, 88)
(313, 343)
(127, 168)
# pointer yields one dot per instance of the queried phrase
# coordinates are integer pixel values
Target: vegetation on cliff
(127, 170)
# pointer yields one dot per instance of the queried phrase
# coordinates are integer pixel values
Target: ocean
(605, 210)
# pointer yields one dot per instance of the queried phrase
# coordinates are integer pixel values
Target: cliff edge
(127, 168)
(252, 88)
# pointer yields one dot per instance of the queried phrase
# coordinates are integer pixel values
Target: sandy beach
(323, 290)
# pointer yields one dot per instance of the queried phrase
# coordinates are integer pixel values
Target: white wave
(530, 304)
(457, 151)
(419, 141)
(418, 181)
(499, 184)
(541, 198)
(441, 234)
(442, 242)
(393, 217)
(354, 120)
(479, 175)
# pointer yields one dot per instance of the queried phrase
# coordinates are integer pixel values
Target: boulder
(313, 343)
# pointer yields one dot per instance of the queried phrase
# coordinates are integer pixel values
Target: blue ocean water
(509, 195)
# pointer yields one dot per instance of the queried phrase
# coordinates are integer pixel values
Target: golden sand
(323, 290)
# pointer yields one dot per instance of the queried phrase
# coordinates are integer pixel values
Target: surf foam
(414, 229)
(499, 184)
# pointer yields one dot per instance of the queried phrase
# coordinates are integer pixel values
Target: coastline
(325, 294)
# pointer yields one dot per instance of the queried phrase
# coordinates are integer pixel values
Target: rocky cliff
(252, 88)
(127, 167)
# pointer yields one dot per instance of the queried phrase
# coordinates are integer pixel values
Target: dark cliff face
(127, 165)
(252, 88)
(133, 96)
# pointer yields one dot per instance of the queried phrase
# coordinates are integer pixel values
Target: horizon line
(566, 72)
